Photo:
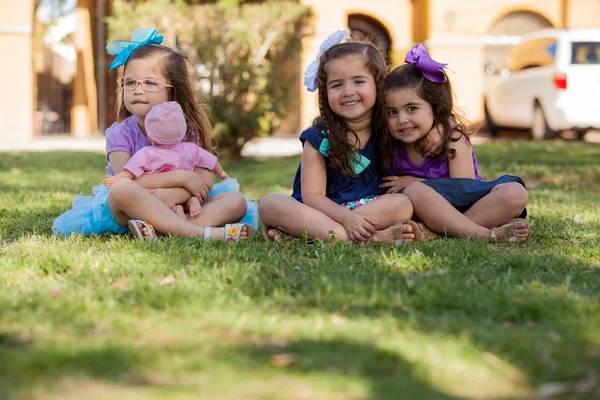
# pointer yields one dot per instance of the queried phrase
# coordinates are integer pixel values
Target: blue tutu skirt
(462, 193)
(90, 215)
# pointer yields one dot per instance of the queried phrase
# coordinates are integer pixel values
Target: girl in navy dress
(345, 153)
(449, 195)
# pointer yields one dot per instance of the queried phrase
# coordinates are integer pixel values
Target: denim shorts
(462, 193)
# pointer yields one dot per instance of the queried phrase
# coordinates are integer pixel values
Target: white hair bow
(310, 76)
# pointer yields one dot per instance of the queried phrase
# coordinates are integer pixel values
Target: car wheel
(581, 133)
(492, 128)
(539, 127)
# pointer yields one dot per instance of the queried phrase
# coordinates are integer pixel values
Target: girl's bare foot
(146, 233)
(274, 235)
(407, 233)
(178, 209)
(516, 230)
(194, 206)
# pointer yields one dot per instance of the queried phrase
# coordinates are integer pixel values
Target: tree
(241, 56)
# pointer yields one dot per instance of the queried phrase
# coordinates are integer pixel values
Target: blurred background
(249, 56)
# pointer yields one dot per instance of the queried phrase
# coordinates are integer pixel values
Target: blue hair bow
(123, 49)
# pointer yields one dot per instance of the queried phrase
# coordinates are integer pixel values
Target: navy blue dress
(340, 188)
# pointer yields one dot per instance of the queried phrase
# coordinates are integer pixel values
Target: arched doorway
(363, 27)
(505, 32)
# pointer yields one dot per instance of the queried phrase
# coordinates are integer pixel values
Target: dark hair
(173, 65)
(439, 96)
(341, 152)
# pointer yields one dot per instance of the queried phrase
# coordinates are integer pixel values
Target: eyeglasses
(148, 85)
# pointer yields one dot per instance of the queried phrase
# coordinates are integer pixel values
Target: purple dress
(429, 168)
(462, 193)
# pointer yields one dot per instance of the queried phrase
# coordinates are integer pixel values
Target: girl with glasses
(151, 74)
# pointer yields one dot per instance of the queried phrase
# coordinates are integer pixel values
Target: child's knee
(238, 205)
(398, 204)
(267, 204)
(121, 190)
(514, 195)
(413, 190)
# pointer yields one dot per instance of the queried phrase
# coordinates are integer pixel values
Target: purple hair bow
(432, 70)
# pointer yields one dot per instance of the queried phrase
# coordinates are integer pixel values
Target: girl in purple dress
(446, 191)
(151, 74)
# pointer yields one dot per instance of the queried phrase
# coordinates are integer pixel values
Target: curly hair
(439, 96)
(173, 66)
(342, 153)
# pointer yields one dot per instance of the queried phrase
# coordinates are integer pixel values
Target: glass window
(585, 53)
(533, 53)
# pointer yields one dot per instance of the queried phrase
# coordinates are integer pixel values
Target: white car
(550, 83)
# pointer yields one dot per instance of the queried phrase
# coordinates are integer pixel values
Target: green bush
(245, 57)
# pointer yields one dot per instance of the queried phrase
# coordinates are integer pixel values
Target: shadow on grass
(26, 366)
(529, 307)
(387, 375)
(16, 224)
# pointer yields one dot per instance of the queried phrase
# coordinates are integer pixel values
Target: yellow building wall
(457, 30)
(16, 46)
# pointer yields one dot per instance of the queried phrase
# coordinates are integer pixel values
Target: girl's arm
(395, 183)
(432, 142)
(117, 160)
(184, 184)
(314, 182)
(197, 183)
(461, 166)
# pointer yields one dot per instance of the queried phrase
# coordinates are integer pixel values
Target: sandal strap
(233, 232)
(207, 233)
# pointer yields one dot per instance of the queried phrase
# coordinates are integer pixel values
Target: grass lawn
(95, 318)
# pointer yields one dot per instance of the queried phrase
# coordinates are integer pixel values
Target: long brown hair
(341, 153)
(439, 96)
(173, 66)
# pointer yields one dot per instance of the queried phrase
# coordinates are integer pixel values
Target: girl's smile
(351, 90)
(409, 116)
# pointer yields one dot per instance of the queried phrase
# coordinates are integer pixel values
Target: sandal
(233, 232)
(421, 231)
(284, 234)
(135, 230)
(509, 235)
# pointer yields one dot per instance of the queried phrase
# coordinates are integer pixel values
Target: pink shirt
(181, 156)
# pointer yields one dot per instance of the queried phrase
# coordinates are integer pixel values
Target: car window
(585, 53)
(532, 53)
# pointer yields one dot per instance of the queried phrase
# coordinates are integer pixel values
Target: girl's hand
(395, 183)
(197, 184)
(171, 196)
(432, 142)
(359, 227)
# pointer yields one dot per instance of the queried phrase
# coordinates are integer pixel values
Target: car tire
(492, 128)
(539, 127)
(580, 134)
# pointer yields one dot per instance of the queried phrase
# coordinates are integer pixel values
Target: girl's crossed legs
(503, 203)
(279, 210)
(128, 200)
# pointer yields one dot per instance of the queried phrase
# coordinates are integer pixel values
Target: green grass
(454, 319)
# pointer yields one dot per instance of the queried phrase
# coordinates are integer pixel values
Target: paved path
(271, 146)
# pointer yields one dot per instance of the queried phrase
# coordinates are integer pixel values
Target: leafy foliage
(245, 57)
